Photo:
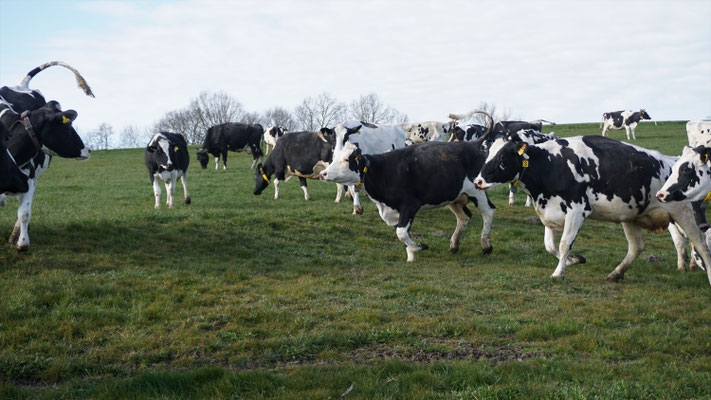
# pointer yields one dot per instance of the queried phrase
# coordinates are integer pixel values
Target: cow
(33, 138)
(529, 136)
(426, 131)
(468, 132)
(591, 176)
(12, 180)
(272, 135)
(371, 139)
(167, 159)
(22, 98)
(404, 181)
(623, 119)
(232, 136)
(301, 154)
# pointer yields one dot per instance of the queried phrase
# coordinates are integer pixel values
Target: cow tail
(80, 79)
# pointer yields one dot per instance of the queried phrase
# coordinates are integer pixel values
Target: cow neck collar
(25, 120)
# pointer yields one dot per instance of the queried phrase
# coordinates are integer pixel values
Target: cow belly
(168, 175)
(652, 218)
(320, 166)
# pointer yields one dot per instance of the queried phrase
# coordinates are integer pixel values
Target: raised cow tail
(80, 79)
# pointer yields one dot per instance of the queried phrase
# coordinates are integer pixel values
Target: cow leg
(403, 232)
(627, 132)
(170, 190)
(549, 240)
(512, 192)
(684, 217)
(3, 200)
(224, 160)
(463, 216)
(254, 161)
(573, 222)
(276, 188)
(217, 163)
(184, 181)
(357, 208)
(529, 201)
(302, 182)
(20, 236)
(486, 210)
(635, 243)
(339, 193)
(680, 246)
(156, 192)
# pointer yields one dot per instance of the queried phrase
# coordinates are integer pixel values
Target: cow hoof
(487, 250)
(423, 246)
(512, 203)
(453, 250)
(188, 201)
(614, 277)
(580, 259)
(22, 248)
(358, 211)
(561, 277)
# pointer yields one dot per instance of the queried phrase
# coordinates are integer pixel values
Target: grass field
(242, 296)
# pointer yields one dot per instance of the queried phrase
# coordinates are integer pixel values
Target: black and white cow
(33, 138)
(370, 139)
(301, 154)
(271, 136)
(12, 180)
(404, 181)
(590, 176)
(22, 98)
(232, 136)
(167, 159)
(428, 131)
(623, 119)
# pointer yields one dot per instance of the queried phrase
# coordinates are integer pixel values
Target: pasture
(242, 296)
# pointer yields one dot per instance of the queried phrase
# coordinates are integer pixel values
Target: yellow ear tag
(522, 149)
(516, 182)
(525, 163)
(707, 158)
(175, 148)
(365, 170)
(707, 198)
(265, 177)
(357, 158)
(66, 120)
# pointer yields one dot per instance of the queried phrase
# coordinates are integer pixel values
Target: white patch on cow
(699, 133)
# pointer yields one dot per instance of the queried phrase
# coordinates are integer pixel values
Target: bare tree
(130, 137)
(370, 108)
(100, 138)
(279, 116)
(183, 121)
(251, 118)
(313, 114)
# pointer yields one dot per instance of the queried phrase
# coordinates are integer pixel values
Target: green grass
(242, 296)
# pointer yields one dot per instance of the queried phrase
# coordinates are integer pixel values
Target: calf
(33, 138)
(301, 154)
(232, 136)
(167, 159)
(590, 176)
(403, 181)
(272, 135)
(623, 119)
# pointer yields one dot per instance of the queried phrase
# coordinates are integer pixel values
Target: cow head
(347, 167)
(458, 134)
(690, 177)
(327, 135)
(202, 157)
(163, 151)
(261, 179)
(506, 162)
(643, 115)
(55, 132)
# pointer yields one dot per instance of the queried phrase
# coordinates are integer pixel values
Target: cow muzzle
(323, 175)
(662, 197)
(480, 184)
(84, 154)
(169, 167)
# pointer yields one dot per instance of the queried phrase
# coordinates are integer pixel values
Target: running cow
(404, 181)
(301, 154)
(232, 136)
(591, 176)
(623, 119)
(167, 159)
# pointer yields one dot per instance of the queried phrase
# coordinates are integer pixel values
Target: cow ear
(151, 148)
(65, 117)
(259, 167)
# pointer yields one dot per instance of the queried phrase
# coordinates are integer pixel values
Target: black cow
(167, 159)
(32, 137)
(428, 175)
(623, 119)
(232, 136)
(575, 178)
(12, 180)
(301, 154)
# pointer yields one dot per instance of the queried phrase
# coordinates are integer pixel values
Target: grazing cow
(12, 180)
(301, 154)
(33, 137)
(272, 135)
(404, 181)
(232, 136)
(371, 139)
(623, 119)
(426, 131)
(22, 98)
(590, 176)
(167, 159)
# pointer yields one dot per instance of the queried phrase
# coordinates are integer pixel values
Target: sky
(563, 61)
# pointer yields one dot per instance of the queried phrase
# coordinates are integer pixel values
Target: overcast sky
(565, 61)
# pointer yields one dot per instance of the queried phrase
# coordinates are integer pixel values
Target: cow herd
(405, 168)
